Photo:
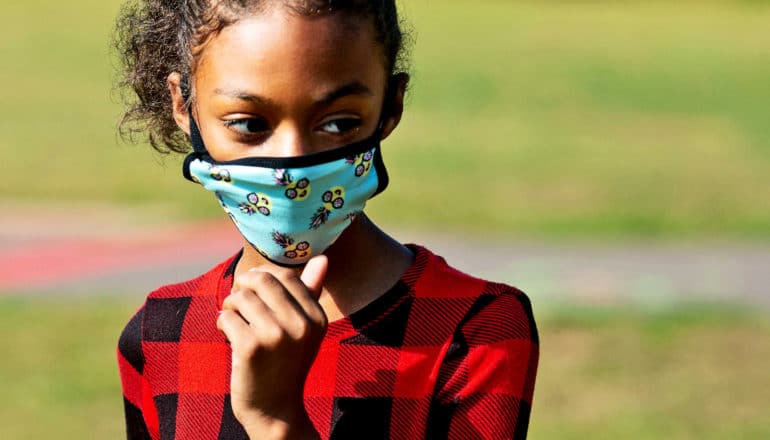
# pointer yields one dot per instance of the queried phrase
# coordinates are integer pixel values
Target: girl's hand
(275, 326)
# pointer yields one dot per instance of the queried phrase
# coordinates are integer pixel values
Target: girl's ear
(394, 105)
(178, 102)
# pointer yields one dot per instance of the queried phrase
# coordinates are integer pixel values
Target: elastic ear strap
(184, 86)
(195, 135)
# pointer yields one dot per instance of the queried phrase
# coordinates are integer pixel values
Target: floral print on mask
(291, 250)
(332, 199)
(256, 202)
(297, 191)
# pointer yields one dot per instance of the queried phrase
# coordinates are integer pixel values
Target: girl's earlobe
(176, 87)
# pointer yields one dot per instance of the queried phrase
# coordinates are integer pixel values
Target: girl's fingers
(253, 311)
(282, 291)
(233, 325)
(282, 307)
(247, 304)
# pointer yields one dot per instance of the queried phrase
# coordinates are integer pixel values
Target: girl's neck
(364, 263)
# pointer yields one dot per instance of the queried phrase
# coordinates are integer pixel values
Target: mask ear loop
(196, 140)
(195, 135)
(184, 87)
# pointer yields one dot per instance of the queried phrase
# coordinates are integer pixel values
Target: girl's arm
(487, 378)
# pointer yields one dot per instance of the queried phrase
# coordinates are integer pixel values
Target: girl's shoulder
(430, 276)
(447, 297)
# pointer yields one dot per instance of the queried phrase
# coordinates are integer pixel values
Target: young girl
(322, 325)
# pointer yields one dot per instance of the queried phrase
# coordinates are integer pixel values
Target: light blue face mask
(291, 208)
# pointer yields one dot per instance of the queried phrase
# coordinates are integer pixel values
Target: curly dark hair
(157, 37)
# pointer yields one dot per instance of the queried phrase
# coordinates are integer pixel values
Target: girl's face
(281, 85)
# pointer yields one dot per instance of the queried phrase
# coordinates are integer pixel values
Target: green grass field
(563, 119)
(692, 373)
(555, 120)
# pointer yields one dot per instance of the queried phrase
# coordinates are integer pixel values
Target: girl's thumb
(314, 274)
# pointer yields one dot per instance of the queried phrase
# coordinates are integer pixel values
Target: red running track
(38, 264)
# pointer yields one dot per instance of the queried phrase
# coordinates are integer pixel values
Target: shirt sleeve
(487, 378)
(141, 415)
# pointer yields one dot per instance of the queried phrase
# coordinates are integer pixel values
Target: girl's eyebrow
(246, 96)
(352, 88)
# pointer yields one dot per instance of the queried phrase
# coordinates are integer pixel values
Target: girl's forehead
(280, 48)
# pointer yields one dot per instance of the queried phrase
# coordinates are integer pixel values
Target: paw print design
(298, 190)
(292, 250)
(256, 202)
(220, 174)
(362, 162)
(332, 199)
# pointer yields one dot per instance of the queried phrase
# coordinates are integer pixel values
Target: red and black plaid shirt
(440, 355)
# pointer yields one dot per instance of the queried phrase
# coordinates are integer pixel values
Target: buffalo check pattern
(440, 355)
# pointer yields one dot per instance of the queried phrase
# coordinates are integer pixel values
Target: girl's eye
(340, 126)
(248, 126)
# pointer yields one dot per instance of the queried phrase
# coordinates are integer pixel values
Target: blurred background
(608, 158)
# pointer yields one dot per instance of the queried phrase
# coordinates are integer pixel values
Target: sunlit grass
(687, 373)
(59, 372)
